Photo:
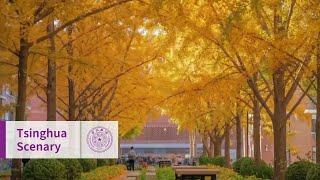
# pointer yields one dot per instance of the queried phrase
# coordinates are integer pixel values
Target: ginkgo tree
(206, 110)
(201, 94)
(202, 62)
(26, 26)
(275, 37)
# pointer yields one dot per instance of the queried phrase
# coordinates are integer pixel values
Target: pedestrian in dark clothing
(132, 156)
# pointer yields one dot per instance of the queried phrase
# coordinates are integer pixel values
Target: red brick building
(161, 137)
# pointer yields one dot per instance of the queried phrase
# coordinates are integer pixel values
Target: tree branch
(44, 101)
(106, 107)
(78, 18)
(299, 100)
(296, 80)
(293, 3)
(7, 63)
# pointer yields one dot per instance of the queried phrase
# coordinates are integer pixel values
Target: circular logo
(99, 139)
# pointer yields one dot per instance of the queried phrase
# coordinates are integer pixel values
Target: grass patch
(166, 173)
(143, 174)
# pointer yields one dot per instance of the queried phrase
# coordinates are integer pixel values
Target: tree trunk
(205, 146)
(217, 147)
(256, 130)
(191, 145)
(119, 147)
(238, 137)
(71, 92)
(51, 81)
(205, 150)
(318, 104)
(71, 84)
(247, 136)
(279, 125)
(211, 151)
(227, 146)
(194, 144)
(22, 93)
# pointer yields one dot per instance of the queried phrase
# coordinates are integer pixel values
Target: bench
(195, 172)
(190, 167)
(164, 163)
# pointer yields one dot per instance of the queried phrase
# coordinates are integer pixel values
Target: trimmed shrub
(104, 172)
(314, 173)
(263, 170)
(111, 162)
(219, 161)
(236, 165)
(166, 173)
(88, 164)
(247, 167)
(105, 162)
(102, 162)
(298, 170)
(39, 169)
(204, 160)
(73, 168)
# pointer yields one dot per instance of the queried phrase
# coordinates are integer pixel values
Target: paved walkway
(151, 173)
(134, 175)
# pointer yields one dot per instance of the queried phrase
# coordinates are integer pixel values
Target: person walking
(132, 156)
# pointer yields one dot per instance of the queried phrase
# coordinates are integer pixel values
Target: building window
(313, 124)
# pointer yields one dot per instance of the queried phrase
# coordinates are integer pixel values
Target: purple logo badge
(99, 139)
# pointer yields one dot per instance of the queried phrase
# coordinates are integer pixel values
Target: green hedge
(236, 165)
(219, 161)
(247, 167)
(70, 169)
(263, 170)
(88, 164)
(40, 169)
(298, 170)
(105, 162)
(73, 168)
(105, 172)
(314, 173)
(166, 173)
(102, 162)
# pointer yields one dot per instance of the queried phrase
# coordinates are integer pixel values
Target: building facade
(160, 137)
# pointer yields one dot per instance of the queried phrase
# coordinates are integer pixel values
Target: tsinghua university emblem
(99, 139)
